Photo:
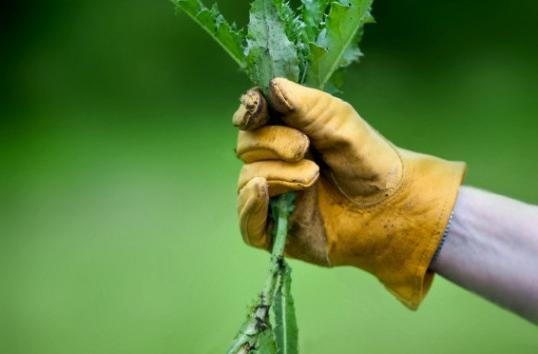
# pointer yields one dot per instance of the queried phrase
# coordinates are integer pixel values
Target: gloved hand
(361, 201)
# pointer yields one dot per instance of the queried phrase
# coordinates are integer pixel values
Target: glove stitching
(419, 286)
(383, 196)
(263, 239)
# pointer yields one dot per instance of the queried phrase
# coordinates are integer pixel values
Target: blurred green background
(117, 197)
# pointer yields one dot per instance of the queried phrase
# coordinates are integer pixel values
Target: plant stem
(281, 207)
(258, 320)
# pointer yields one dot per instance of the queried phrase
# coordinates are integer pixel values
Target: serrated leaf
(337, 44)
(211, 20)
(351, 55)
(313, 14)
(270, 53)
(336, 82)
(295, 31)
(288, 18)
(286, 331)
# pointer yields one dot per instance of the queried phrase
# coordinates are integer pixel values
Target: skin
(491, 249)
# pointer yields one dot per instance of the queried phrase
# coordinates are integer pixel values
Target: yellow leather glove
(361, 201)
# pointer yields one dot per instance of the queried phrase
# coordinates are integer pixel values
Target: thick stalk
(258, 320)
(281, 207)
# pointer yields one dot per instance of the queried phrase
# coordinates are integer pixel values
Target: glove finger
(253, 206)
(281, 176)
(362, 162)
(274, 142)
(321, 116)
(252, 112)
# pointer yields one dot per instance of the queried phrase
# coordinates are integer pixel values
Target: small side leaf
(242, 338)
(295, 31)
(337, 44)
(211, 20)
(249, 329)
(313, 15)
(270, 53)
(265, 343)
(286, 332)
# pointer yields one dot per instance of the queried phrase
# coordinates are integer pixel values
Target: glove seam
(267, 241)
(413, 301)
(383, 196)
(419, 278)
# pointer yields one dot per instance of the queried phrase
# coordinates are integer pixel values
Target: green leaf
(270, 53)
(335, 83)
(257, 321)
(211, 20)
(242, 337)
(295, 31)
(289, 20)
(313, 15)
(337, 44)
(286, 332)
(265, 343)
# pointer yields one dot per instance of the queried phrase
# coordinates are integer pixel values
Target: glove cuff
(396, 238)
(428, 196)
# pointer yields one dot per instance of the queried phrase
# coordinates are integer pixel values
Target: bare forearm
(492, 249)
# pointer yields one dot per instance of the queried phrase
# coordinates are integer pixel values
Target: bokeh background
(117, 197)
